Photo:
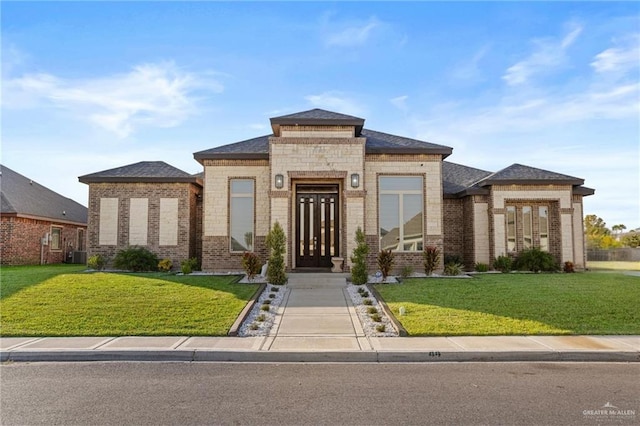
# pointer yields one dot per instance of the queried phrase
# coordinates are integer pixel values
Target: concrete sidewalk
(323, 349)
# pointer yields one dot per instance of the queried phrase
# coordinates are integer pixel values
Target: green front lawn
(62, 301)
(518, 304)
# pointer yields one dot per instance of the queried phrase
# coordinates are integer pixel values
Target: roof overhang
(445, 151)
(490, 182)
(583, 190)
(44, 219)
(200, 157)
(142, 179)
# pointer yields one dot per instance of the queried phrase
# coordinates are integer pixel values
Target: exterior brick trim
(303, 174)
(237, 162)
(405, 158)
(315, 141)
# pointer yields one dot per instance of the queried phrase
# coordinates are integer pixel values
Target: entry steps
(321, 280)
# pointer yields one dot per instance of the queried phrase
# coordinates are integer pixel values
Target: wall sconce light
(279, 181)
(355, 180)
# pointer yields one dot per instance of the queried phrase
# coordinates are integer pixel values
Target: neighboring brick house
(321, 175)
(149, 204)
(38, 225)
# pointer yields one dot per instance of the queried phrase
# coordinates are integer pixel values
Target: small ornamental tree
(276, 240)
(385, 262)
(359, 274)
(431, 259)
(251, 264)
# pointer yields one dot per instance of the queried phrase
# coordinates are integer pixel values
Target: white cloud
(355, 34)
(400, 102)
(336, 101)
(470, 70)
(619, 59)
(150, 95)
(548, 54)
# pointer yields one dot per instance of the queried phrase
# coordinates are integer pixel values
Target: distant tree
(595, 230)
(632, 239)
(617, 230)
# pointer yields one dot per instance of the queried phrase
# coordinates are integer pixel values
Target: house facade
(38, 225)
(322, 175)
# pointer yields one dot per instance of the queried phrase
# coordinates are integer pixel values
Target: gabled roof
(144, 171)
(317, 117)
(520, 174)
(457, 178)
(22, 196)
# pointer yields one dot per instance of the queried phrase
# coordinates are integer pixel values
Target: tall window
(400, 213)
(241, 214)
(543, 214)
(527, 227)
(80, 246)
(511, 228)
(56, 240)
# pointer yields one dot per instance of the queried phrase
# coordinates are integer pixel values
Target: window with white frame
(511, 228)
(400, 213)
(543, 217)
(56, 238)
(527, 227)
(241, 214)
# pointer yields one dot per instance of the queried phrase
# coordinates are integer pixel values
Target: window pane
(55, 239)
(242, 223)
(389, 217)
(511, 228)
(242, 186)
(412, 221)
(527, 233)
(544, 228)
(402, 183)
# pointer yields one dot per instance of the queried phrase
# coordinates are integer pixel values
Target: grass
(62, 301)
(613, 266)
(518, 304)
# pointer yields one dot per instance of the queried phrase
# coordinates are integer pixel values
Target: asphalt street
(296, 394)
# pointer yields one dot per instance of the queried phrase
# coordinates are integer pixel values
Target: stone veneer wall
(184, 192)
(216, 247)
(428, 166)
(20, 240)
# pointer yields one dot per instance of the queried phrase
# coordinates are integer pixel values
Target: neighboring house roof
(23, 197)
(377, 142)
(144, 171)
(520, 174)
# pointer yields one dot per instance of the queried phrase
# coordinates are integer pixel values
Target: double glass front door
(317, 225)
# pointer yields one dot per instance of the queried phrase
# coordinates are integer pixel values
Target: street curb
(319, 356)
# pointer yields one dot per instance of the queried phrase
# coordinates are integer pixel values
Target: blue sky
(93, 85)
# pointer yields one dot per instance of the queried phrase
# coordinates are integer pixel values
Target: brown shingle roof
(22, 196)
(144, 171)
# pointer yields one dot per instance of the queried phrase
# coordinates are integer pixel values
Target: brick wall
(453, 225)
(20, 241)
(185, 193)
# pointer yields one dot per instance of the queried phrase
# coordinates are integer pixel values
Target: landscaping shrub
(97, 262)
(503, 264)
(385, 262)
(165, 265)
(380, 328)
(536, 260)
(453, 269)
(453, 258)
(136, 259)
(367, 302)
(372, 310)
(431, 258)
(376, 317)
(276, 240)
(189, 265)
(359, 273)
(481, 267)
(406, 272)
(568, 267)
(251, 264)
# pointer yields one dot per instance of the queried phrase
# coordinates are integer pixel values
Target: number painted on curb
(436, 354)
